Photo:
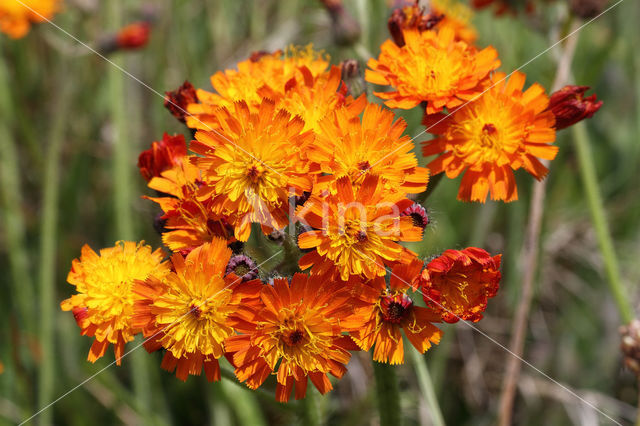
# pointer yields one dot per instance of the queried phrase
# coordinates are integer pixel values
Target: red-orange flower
(569, 105)
(162, 155)
(504, 130)
(252, 163)
(356, 229)
(431, 67)
(191, 311)
(103, 305)
(190, 221)
(296, 332)
(389, 310)
(458, 284)
(347, 145)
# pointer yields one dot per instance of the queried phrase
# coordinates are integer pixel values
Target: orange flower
(190, 312)
(347, 145)
(190, 222)
(431, 67)
(252, 163)
(388, 311)
(272, 71)
(162, 156)
(457, 16)
(459, 283)
(504, 130)
(16, 17)
(295, 332)
(314, 97)
(103, 306)
(410, 17)
(356, 230)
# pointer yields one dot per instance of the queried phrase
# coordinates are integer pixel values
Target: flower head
(410, 17)
(569, 105)
(504, 130)
(252, 163)
(178, 100)
(189, 221)
(389, 310)
(296, 332)
(16, 17)
(273, 71)
(355, 147)
(356, 230)
(459, 283)
(190, 312)
(431, 67)
(162, 155)
(103, 305)
(455, 15)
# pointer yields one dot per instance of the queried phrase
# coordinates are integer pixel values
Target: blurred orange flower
(133, 36)
(356, 230)
(103, 306)
(16, 17)
(457, 16)
(458, 284)
(190, 311)
(252, 163)
(504, 130)
(431, 67)
(295, 332)
(388, 311)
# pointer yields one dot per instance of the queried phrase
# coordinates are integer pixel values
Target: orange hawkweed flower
(348, 145)
(133, 36)
(103, 306)
(504, 130)
(458, 284)
(388, 311)
(252, 163)
(457, 16)
(431, 67)
(190, 312)
(190, 222)
(356, 230)
(295, 332)
(16, 17)
(314, 97)
(273, 71)
(162, 156)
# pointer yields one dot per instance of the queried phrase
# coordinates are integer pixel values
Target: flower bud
(133, 36)
(243, 266)
(410, 17)
(162, 156)
(570, 106)
(587, 9)
(630, 346)
(178, 100)
(418, 215)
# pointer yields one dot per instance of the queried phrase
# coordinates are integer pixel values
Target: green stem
(48, 250)
(122, 190)
(596, 208)
(426, 387)
(388, 394)
(308, 406)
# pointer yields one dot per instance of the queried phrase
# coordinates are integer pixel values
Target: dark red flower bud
(409, 17)
(178, 100)
(588, 9)
(133, 36)
(162, 156)
(570, 106)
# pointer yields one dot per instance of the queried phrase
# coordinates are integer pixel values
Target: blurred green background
(72, 125)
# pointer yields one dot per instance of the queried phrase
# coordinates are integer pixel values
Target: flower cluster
(283, 148)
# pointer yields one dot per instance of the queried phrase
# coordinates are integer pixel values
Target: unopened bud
(178, 100)
(588, 9)
(570, 106)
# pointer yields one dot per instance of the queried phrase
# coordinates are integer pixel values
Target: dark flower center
(242, 269)
(395, 312)
(195, 310)
(361, 236)
(418, 220)
(295, 337)
(364, 165)
(489, 129)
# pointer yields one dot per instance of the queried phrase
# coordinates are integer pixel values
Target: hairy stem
(426, 387)
(387, 393)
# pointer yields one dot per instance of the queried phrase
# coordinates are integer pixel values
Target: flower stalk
(387, 393)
